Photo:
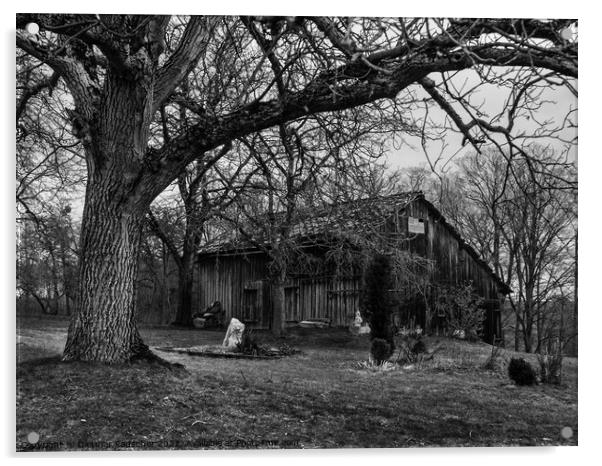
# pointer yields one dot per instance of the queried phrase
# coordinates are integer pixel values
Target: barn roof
(349, 214)
(312, 223)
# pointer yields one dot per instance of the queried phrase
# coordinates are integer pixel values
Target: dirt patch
(215, 352)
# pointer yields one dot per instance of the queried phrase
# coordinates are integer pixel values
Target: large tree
(121, 70)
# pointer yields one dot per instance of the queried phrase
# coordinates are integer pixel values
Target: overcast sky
(559, 100)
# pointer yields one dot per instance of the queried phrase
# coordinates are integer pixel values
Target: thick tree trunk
(575, 345)
(528, 319)
(527, 334)
(277, 280)
(103, 323)
(185, 283)
(166, 314)
(186, 264)
(516, 331)
(103, 328)
(278, 318)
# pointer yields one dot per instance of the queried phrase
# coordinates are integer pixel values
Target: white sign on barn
(416, 225)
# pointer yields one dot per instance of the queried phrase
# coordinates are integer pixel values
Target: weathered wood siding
(454, 263)
(230, 279)
(327, 298)
(239, 280)
(224, 278)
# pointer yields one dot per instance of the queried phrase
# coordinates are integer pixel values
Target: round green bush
(521, 372)
(381, 350)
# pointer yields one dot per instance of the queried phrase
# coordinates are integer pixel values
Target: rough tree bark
(185, 284)
(103, 328)
(185, 259)
(278, 318)
(196, 212)
(277, 273)
(575, 345)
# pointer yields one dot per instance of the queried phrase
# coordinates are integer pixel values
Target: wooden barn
(237, 274)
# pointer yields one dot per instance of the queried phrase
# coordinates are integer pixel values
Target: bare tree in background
(301, 168)
(475, 198)
(47, 261)
(49, 172)
(520, 215)
(49, 165)
(205, 188)
(121, 70)
(542, 227)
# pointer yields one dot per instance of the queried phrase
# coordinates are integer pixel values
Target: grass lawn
(320, 398)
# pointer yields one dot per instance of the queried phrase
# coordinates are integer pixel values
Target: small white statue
(234, 333)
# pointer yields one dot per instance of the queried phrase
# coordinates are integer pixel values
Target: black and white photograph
(252, 232)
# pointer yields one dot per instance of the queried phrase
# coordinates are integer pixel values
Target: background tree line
(520, 214)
